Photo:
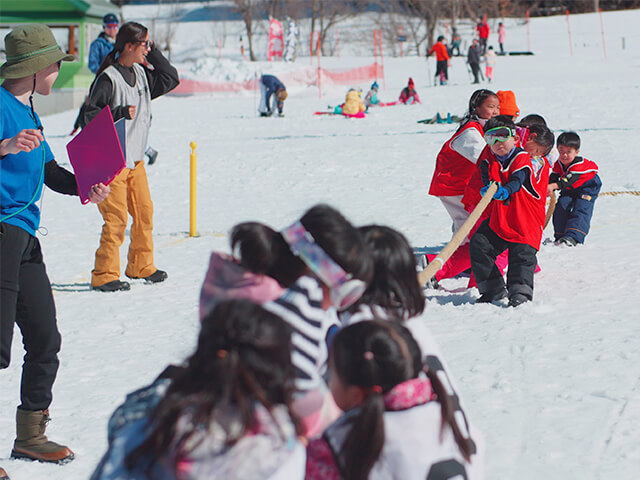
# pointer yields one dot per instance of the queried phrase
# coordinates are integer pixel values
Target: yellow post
(193, 191)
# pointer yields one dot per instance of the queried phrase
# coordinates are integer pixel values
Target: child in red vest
(455, 164)
(517, 218)
(579, 184)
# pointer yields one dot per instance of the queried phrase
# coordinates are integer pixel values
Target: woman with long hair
(127, 86)
(226, 413)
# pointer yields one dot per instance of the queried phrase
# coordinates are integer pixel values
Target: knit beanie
(508, 104)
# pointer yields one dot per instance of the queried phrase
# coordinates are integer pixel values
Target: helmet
(375, 86)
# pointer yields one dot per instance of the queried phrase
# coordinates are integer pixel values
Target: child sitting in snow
(377, 378)
(353, 105)
(579, 184)
(408, 95)
(371, 98)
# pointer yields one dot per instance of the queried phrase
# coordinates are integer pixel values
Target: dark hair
(477, 99)
(130, 32)
(243, 358)
(394, 286)
(531, 119)
(263, 250)
(440, 38)
(544, 137)
(499, 121)
(393, 362)
(569, 139)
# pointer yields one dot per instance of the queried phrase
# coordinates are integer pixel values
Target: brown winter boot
(3, 474)
(31, 442)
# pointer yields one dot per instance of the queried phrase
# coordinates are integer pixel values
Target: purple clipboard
(96, 154)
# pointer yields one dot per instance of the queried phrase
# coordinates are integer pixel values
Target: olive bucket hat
(30, 48)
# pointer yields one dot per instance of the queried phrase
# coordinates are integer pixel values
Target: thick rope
(625, 192)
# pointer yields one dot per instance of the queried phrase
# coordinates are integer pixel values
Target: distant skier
(473, 59)
(483, 34)
(490, 61)
(456, 40)
(409, 95)
(291, 42)
(353, 105)
(270, 86)
(442, 58)
(502, 35)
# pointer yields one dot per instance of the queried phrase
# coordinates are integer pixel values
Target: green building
(75, 24)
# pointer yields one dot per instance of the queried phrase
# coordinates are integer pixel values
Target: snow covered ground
(554, 384)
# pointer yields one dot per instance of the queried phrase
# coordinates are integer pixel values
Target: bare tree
(326, 14)
(248, 9)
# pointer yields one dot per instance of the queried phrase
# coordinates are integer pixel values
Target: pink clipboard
(96, 154)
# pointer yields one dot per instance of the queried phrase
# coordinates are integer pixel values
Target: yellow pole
(193, 191)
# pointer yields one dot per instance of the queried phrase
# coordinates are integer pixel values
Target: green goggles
(498, 134)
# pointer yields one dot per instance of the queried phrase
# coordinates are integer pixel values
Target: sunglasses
(498, 134)
(146, 43)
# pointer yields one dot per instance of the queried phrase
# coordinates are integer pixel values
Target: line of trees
(417, 19)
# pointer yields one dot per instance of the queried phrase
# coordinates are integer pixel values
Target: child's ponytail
(364, 443)
(447, 408)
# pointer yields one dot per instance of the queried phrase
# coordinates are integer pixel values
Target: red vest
(520, 219)
(585, 168)
(452, 169)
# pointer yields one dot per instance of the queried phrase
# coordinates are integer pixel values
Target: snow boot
(113, 286)
(568, 241)
(491, 297)
(518, 299)
(31, 442)
(3, 474)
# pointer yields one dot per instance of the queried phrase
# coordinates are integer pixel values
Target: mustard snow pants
(129, 193)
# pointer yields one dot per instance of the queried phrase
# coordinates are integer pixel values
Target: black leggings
(26, 300)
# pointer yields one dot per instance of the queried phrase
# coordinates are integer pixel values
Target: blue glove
(483, 190)
(501, 194)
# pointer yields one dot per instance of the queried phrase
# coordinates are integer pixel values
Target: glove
(483, 190)
(501, 194)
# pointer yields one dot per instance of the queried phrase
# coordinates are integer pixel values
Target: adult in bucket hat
(26, 299)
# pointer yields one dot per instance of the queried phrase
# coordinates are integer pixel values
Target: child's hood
(226, 279)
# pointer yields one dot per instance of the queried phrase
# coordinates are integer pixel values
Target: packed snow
(554, 385)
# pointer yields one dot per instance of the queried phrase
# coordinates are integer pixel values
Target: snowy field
(554, 384)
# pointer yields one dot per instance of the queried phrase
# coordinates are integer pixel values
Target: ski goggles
(498, 134)
(345, 290)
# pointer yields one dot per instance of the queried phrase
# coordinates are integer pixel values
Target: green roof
(44, 9)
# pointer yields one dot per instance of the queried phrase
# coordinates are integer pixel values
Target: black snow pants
(484, 248)
(26, 299)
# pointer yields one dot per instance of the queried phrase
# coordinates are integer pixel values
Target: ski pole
(437, 263)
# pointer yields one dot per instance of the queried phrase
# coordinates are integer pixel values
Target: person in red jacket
(442, 59)
(579, 184)
(483, 34)
(516, 220)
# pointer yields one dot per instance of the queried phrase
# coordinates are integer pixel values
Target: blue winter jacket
(100, 48)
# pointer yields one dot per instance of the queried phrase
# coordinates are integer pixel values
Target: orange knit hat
(508, 104)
